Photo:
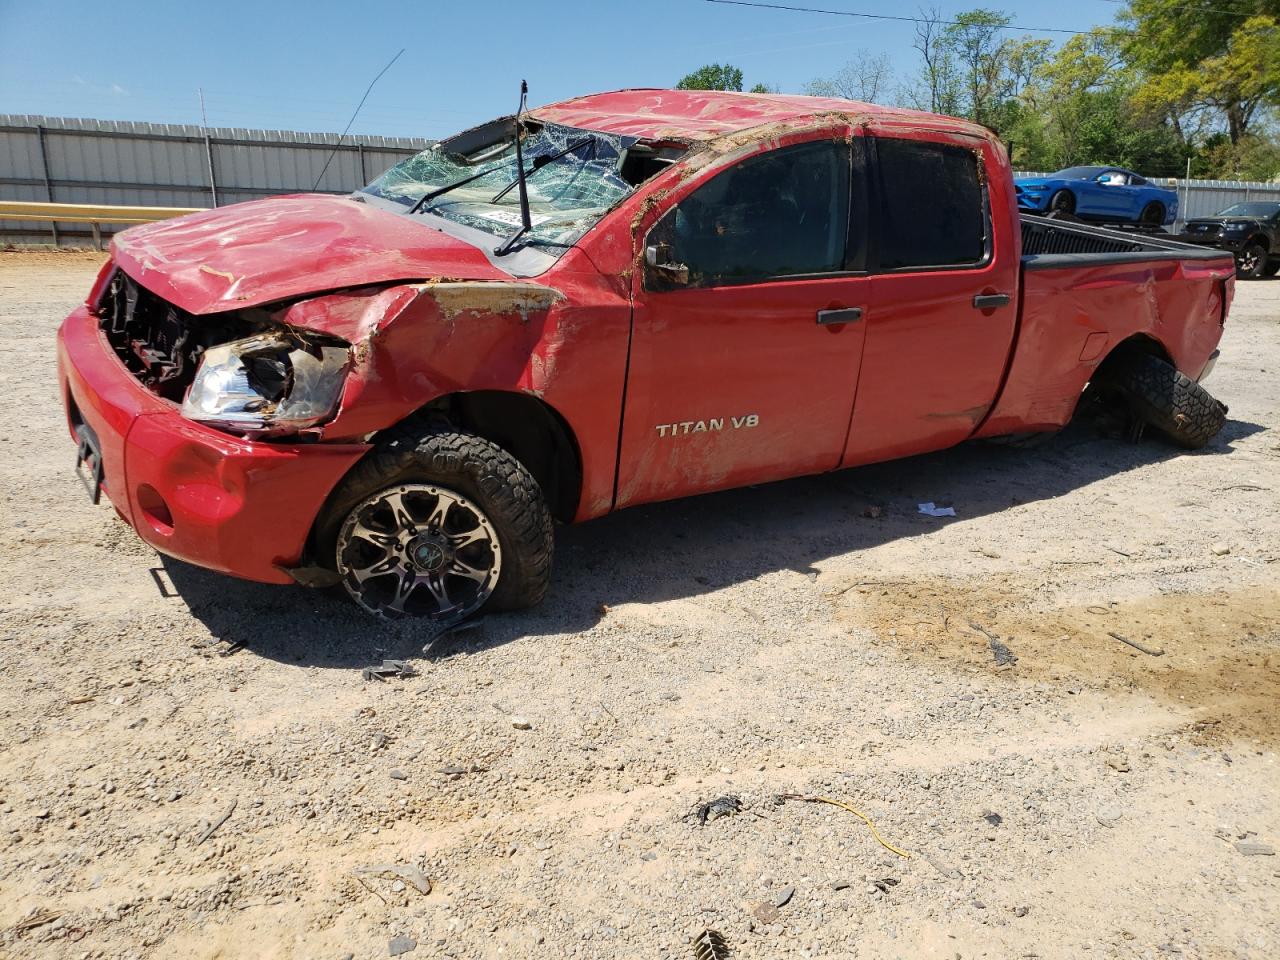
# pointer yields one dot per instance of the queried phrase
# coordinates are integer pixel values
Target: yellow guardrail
(91, 213)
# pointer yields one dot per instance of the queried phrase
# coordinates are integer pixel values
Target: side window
(778, 214)
(933, 210)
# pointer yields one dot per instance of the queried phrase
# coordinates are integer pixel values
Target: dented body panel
(661, 390)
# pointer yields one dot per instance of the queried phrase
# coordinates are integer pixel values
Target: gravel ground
(816, 637)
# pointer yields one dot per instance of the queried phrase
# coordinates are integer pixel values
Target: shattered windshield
(568, 193)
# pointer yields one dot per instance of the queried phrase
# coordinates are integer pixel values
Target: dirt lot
(1087, 800)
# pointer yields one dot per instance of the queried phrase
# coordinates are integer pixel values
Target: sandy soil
(1084, 800)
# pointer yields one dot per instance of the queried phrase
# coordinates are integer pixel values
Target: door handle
(846, 315)
(989, 301)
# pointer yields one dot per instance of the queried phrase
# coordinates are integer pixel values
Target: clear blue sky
(303, 66)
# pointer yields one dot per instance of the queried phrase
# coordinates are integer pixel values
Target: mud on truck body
(399, 390)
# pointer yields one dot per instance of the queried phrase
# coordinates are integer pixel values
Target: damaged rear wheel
(1158, 395)
(441, 525)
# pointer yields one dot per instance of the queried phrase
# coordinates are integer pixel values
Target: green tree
(1200, 57)
(712, 76)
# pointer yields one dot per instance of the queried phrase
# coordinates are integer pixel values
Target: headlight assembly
(270, 384)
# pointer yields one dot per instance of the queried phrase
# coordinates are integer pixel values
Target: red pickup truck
(617, 299)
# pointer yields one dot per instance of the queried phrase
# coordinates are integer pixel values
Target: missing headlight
(270, 384)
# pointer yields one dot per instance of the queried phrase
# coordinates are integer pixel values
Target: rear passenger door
(943, 309)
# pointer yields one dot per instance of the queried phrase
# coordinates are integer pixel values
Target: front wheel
(1251, 262)
(1152, 214)
(1272, 268)
(1063, 201)
(441, 525)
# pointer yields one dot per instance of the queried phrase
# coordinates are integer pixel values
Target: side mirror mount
(657, 257)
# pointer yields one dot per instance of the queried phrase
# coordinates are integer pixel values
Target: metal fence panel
(176, 165)
(172, 165)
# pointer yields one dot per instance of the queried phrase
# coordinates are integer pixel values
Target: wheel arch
(525, 426)
(528, 428)
(1138, 343)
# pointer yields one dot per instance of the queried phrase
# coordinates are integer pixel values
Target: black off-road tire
(1064, 201)
(1272, 267)
(1152, 214)
(1161, 397)
(1252, 262)
(479, 470)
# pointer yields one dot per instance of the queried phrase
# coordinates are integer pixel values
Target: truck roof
(692, 115)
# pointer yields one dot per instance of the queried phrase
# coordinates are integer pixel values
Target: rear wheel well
(1137, 344)
(526, 427)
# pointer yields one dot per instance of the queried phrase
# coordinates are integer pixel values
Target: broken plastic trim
(271, 384)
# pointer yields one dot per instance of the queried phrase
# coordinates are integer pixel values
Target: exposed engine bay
(241, 371)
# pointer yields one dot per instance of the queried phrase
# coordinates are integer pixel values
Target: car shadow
(683, 548)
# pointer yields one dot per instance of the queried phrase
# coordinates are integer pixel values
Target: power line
(885, 16)
(1199, 9)
(354, 114)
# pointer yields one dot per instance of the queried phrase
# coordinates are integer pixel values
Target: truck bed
(1054, 244)
(1085, 290)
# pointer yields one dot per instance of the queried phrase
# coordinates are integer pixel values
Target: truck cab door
(943, 305)
(748, 320)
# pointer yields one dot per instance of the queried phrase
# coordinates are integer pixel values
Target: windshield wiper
(526, 221)
(540, 162)
(440, 191)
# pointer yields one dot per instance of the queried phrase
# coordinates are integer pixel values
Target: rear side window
(932, 205)
(778, 214)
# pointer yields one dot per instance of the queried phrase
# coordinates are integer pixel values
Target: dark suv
(1249, 230)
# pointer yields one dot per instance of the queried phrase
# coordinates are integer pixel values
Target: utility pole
(204, 120)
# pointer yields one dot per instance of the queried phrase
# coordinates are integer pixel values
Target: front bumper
(236, 506)
(1233, 244)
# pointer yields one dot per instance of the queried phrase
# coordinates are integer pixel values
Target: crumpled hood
(287, 247)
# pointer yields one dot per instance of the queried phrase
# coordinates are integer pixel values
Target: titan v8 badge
(713, 425)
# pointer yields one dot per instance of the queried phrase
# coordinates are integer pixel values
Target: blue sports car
(1106, 194)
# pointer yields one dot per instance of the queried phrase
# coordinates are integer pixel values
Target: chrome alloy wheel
(419, 550)
(1250, 258)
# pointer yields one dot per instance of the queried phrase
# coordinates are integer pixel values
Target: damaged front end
(243, 372)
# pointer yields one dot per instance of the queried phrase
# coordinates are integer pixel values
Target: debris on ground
(810, 798)
(521, 723)
(951, 873)
(766, 913)
(1119, 763)
(885, 884)
(784, 897)
(1221, 549)
(1136, 645)
(993, 818)
(1251, 849)
(410, 874)
(1001, 652)
(930, 509)
(399, 669)
(710, 945)
(1021, 911)
(725, 806)
(401, 944)
(36, 919)
(208, 831)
